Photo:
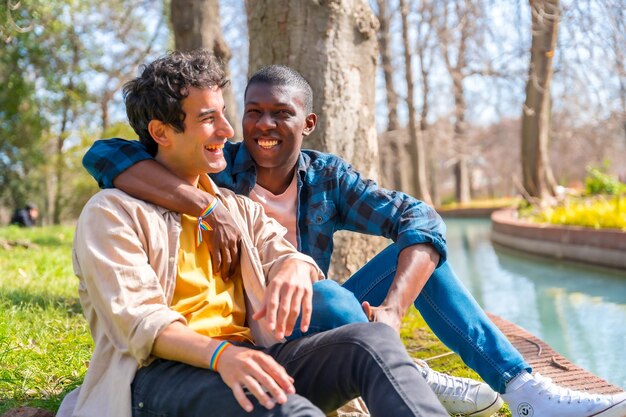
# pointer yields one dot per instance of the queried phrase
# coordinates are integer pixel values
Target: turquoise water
(580, 311)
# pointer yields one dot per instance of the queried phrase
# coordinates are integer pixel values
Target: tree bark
(196, 24)
(538, 179)
(416, 141)
(333, 45)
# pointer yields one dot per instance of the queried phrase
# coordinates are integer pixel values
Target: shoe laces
(545, 386)
(445, 385)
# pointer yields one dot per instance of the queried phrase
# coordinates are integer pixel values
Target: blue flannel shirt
(332, 196)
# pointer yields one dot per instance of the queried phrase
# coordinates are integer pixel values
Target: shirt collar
(243, 161)
(207, 183)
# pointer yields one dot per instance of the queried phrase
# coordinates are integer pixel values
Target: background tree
(456, 29)
(416, 140)
(392, 164)
(538, 180)
(334, 46)
(386, 63)
(196, 24)
(425, 47)
(22, 122)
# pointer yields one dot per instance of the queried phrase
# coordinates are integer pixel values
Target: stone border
(598, 247)
(473, 212)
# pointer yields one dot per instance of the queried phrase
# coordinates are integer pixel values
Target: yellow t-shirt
(211, 306)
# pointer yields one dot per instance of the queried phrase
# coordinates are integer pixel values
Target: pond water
(580, 311)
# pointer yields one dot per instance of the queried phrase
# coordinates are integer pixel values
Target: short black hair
(281, 75)
(163, 84)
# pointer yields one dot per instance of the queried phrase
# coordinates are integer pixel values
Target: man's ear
(310, 122)
(159, 132)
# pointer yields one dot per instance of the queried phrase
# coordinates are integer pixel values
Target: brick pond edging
(597, 247)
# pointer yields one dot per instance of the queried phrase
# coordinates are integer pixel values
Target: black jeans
(329, 368)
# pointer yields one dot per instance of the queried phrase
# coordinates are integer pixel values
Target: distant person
(26, 216)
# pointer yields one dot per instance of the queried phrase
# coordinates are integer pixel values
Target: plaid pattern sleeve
(108, 158)
(334, 196)
(367, 208)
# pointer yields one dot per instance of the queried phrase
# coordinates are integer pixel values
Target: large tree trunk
(538, 179)
(196, 24)
(416, 141)
(333, 45)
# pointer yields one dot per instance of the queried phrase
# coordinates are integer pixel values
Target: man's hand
(388, 315)
(225, 241)
(259, 373)
(416, 264)
(289, 293)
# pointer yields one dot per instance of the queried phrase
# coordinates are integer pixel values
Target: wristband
(202, 224)
(217, 353)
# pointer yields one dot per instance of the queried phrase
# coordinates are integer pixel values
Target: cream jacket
(125, 258)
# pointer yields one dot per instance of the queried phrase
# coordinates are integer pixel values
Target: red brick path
(549, 363)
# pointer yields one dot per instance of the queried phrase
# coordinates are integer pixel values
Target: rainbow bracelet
(202, 224)
(217, 353)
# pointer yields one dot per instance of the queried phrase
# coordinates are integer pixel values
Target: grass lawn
(44, 340)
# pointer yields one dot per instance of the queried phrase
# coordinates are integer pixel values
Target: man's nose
(266, 121)
(226, 129)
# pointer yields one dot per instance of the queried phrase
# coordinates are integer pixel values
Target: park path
(549, 363)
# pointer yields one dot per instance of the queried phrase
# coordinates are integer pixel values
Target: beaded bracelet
(202, 224)
(217, 353)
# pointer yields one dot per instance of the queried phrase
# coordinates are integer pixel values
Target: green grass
(423, 344)
(44, 340)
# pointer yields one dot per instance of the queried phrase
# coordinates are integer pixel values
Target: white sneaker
(461, 396)
(540, 397)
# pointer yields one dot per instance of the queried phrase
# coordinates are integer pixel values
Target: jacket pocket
(322, 212)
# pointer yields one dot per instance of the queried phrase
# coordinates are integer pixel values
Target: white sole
(491, 409)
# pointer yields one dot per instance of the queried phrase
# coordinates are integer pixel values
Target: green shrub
(598, 181)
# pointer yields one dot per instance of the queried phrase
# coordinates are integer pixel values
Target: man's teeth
(267, 143)
(214, 147)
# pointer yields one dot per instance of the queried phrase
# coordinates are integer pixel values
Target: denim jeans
(446, 305)
(328, 368)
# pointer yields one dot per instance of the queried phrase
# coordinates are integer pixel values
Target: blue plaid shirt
(332, 196)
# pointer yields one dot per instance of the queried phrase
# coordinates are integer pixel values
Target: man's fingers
(234, 258)
(306, 310)
(260, 314)
(294, 311)
(226, 264)
(214, 251)
(278, 381)
(284, 310)
(367, 309)
(271, 305)
(241, 397)
(255, 388)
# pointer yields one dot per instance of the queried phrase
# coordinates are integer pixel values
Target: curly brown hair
(162, 86)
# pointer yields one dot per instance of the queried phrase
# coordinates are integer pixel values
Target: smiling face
(274, 124)
(198, 149)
